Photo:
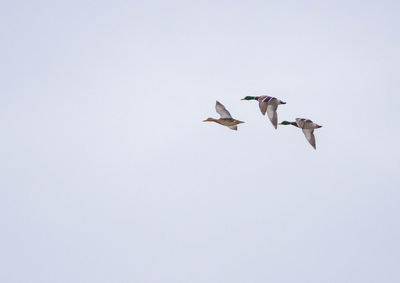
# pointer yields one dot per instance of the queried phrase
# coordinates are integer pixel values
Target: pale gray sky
(107, 173)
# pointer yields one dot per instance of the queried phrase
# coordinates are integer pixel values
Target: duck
(269, 105)
(308, 128)
(225, 119)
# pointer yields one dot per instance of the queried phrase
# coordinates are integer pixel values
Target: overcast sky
(107, 173)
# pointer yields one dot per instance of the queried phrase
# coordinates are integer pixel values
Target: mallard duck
(268, 104)
(307, 126)
(226, 118)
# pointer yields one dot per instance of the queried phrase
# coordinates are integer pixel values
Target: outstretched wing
(272, 115)
(221, 110)
(263, 103)
(309, 134)
(233, 127)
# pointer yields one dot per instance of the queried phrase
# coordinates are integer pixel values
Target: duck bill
(243, 99)
(318, 126)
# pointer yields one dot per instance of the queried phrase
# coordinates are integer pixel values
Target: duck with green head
(226, 118)
(308, 128)
(269, 105)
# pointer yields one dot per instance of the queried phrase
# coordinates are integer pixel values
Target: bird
(308, 128)
(268, 104)
(226, 118)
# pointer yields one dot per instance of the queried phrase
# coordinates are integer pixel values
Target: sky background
(107, 173)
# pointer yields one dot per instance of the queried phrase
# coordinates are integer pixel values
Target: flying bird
(226, 118)
(307, 126)
(268, 104)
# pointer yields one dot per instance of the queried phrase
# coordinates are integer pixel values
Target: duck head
(249, 98)
(209, 120)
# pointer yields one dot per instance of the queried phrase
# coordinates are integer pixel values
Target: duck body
(306, 124)
(307, 127)
(229, 122)
(269, 105)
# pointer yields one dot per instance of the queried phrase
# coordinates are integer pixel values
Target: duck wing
(272, 115)
(233, 128)
(309, 134)
(263, 103)
(221, 110)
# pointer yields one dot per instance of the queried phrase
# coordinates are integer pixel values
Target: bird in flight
(226, 118)
(269, 105)
(308, 128)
